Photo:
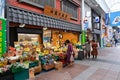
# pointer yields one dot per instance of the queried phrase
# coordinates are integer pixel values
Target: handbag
(71, 58)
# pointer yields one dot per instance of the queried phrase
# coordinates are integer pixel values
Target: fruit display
(3, 62)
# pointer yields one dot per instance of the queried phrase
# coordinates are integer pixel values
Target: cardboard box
(31, 73)
(58, 65)
(37, 69)
(48, 66)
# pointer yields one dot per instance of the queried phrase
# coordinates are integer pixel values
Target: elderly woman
(69, 51)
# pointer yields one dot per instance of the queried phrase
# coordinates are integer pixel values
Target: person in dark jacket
(115, 41)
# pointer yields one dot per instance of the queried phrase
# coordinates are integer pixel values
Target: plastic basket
(22, 75)
(33, 64)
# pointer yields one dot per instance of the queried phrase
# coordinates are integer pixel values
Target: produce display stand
(36, 60)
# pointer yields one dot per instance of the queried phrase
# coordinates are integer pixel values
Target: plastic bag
(71, 58)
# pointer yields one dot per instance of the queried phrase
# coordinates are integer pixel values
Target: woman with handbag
(69, 56)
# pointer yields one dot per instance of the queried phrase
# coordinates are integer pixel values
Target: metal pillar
(82, 22)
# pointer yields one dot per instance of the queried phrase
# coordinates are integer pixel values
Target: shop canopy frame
(23, 16)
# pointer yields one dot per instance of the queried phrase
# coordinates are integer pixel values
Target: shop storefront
(37, 41)
(96, 27)
(47, 28)
(39, 37)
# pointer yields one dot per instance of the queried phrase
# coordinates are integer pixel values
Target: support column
(83, 37)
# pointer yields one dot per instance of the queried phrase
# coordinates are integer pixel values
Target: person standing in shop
(94, 51)
(69, 51)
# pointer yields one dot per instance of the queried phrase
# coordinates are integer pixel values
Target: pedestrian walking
(116, 41)
(87, 49)
(94, 51)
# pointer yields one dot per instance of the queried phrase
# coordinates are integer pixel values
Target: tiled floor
(106, 67)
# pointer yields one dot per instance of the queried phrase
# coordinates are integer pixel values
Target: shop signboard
(56, 13)
(115, 18)
(96, 19)
(2, 36)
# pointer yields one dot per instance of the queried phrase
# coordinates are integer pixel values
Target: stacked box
(58, 65)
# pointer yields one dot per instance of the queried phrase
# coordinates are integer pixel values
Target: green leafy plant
(17, 67)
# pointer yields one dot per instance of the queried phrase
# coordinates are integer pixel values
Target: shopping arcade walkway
(106, 67)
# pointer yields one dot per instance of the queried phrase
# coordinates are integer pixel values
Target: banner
(107, 19)
(115, 18)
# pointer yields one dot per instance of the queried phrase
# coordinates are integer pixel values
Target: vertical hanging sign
(2, 36)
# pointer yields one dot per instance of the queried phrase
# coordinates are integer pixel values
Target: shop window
(31, 38)
(39, 3)
(70, 8)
